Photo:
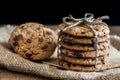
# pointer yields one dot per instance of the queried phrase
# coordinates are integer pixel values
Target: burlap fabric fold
(14, 62)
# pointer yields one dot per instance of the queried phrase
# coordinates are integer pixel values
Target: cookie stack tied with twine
(83, 44)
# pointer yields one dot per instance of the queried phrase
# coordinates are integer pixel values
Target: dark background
(53, 15)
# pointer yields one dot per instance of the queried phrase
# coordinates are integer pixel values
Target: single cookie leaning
(33, 41)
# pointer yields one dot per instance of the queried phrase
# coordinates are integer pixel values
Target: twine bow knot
(88, 18)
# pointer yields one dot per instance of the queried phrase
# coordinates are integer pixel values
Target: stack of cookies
(81, 50)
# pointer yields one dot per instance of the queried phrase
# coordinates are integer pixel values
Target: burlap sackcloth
(14, 62)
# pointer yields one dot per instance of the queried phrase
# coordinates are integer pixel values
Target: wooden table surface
(10, 75)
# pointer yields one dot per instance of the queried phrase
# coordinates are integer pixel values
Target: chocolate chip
(83, 32)
(69, 65)
(29, 40)
(103, 60)
(17, 38)
(49, 43)
(38, 28)
(77, 54)
(66, 52)
(48, 33)
(24, 51)
(15, 44)
(28, 55)
(40, 39)
(97, 29)
(44, 47)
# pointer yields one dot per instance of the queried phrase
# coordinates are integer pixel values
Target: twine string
(88, 18)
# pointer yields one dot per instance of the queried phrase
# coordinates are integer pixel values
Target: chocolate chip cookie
(83, 31)
(33, 41)
(82, 40)
(84, 47)
(84, 54)
(82, 61)
(76, 67)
